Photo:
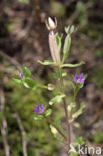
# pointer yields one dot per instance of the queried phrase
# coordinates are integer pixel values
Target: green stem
(65, 109)
(74, 101)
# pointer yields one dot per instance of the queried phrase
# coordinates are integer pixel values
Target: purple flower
(21, 75)
(39, 109)
(79, 78)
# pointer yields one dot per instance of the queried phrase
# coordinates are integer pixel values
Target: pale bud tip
(51, 24)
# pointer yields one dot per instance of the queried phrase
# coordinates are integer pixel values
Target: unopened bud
(51, 24)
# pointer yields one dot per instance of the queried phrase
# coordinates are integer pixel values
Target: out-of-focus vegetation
(23, 38)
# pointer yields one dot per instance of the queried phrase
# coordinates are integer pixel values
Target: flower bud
(51, 24)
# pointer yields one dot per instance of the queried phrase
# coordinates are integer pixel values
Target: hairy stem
(65, 109)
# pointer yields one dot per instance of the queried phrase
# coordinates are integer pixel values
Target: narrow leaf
(17, 80)
(46, 62)
(73, 65)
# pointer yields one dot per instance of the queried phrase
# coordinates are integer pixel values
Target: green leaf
(71, 106)
(31, 83)
(26, 85)
(38, 117)
(48, 112)
(56, 99)
(26, 72)
(56, 74)
(80, 141)
(53, 130)
(46, 62)
(17, 80)
(80, 85)
(79, 112)
(66, 48)
(24, 1)
(73, 65)
(64, 74)
(42, 86)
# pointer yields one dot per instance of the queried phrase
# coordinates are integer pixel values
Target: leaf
(38, 117)
(56, 99)
(64, 74)
(46, 62)
(48, 112)
(24, 1)
(80, 141)
(17, 80)
(26, 85)
(73, 65)
(53, 130)
(31, 83)
(26, 72)
(70, 106)
(66, 48)
(79, 112)
(76, 124)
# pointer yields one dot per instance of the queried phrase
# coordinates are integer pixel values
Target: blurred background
(23, 41)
